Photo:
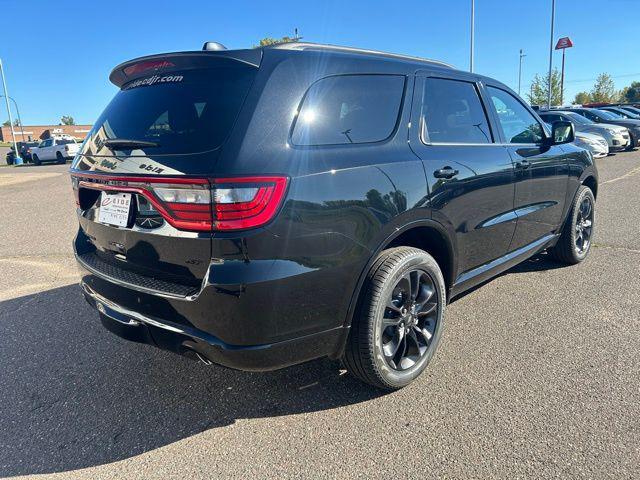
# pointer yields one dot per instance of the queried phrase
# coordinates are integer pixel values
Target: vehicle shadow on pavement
(72, 395)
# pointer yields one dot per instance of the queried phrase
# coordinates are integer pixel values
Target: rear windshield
(65, 141)
(182, 112)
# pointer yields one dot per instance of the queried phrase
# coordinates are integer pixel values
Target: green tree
(631, 94)
(604, 90)
(16, 123)
(67, 120)
(540, 89)
(581, 98)
(265, 42)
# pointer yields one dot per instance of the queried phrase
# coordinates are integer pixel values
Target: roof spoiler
(166, 62)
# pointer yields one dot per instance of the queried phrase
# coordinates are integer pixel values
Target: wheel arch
(591, 182)
(427, 235)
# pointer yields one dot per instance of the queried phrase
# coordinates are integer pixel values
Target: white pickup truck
(58, 148)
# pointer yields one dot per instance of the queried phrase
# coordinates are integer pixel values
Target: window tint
(193, 111)
(452, 113)
(518, 124)
(349, 109)
(588, 114)
(576, 117)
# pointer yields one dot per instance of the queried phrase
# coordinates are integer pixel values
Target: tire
(579, 225)
(385, 308)
(36, 160)
(632, 143)
(60, 158)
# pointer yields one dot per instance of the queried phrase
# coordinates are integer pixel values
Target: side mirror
(562, 132)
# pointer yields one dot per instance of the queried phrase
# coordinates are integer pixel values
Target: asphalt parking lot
(537, 375)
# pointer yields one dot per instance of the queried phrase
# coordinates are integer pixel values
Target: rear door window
(453, 113)
(182, 112)
(349, 109)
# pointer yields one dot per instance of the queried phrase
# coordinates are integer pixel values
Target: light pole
(18, 160)
(473, 14)
(18, 113)
(522, 55)
(553, 14)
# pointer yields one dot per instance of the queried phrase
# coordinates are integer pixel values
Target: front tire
(632, 143)
(576, 238)
(399, 319)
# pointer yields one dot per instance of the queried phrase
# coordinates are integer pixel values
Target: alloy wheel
(409, 320)
(584, 226)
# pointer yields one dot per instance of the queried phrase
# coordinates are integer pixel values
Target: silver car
(593, 142)
(617, 137)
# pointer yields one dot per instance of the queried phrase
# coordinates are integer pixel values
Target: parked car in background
(593, 142)
(58, 148)
(604, 116)
(622, 112)
(25, 152)
(10, 157)
(276, 218)
(617, 137)
(630, 108)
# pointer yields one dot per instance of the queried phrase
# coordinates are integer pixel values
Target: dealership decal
(153, 80)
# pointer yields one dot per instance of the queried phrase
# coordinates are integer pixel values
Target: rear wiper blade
(129, 143)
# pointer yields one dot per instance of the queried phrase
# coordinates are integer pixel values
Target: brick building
(40, 132)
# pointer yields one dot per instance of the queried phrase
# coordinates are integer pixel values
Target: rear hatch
(142, 176)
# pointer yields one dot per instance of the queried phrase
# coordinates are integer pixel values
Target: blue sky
(59, 64)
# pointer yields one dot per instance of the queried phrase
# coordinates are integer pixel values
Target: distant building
(34, 133)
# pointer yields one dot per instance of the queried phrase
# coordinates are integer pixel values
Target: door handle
(446, 172)
(523, 164)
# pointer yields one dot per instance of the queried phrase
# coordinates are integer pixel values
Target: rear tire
(576, 238)
(60, 158)
(399, 319)
(36, 160)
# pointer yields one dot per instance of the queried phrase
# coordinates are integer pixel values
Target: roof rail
(338, 48)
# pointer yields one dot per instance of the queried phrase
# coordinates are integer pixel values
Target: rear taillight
(200, 204)
(247, 202)
(66, 148)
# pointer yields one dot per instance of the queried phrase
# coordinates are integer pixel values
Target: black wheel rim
(584, 226)
(409, 321)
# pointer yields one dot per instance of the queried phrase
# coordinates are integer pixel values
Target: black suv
(261, 208)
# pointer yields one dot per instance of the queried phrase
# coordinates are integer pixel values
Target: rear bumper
(196, 344)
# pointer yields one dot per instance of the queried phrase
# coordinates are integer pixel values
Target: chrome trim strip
(515, 214)
(466, 276)
(111, 310)
(107, 305)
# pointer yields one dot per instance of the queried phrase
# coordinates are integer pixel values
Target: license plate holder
(114, 208)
